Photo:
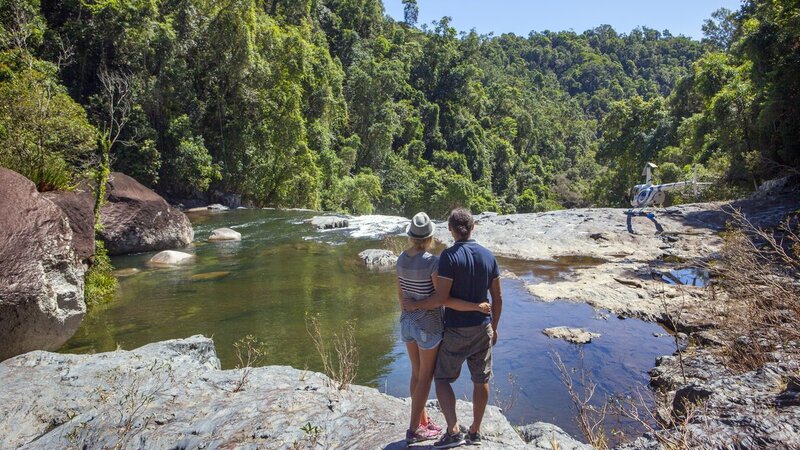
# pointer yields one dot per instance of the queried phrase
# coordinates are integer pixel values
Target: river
(284, 270)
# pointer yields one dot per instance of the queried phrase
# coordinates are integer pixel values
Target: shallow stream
(284, 269)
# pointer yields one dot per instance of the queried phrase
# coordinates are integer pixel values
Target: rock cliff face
(136, 219)
(173, 395)
(41, 278)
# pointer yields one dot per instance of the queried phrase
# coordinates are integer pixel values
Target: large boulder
(136, 219)
(41, 278)
(169, 258)
(225, 234)
(78, 205)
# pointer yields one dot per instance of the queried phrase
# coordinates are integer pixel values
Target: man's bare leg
(480, 398)
(447, 401)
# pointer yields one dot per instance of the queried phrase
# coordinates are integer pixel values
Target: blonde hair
(421, 244)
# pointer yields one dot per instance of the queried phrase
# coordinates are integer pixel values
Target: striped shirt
(414, 274)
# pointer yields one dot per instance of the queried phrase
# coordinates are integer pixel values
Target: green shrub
(100, 282)
(53, 175)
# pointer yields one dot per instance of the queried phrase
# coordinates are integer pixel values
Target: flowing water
(284, 269)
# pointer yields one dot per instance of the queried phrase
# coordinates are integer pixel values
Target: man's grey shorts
(473, 344)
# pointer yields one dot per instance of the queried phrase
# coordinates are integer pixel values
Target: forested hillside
(331, 104)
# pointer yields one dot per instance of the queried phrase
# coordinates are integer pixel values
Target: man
(466, 271)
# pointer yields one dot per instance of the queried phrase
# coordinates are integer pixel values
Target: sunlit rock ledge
(173, 394)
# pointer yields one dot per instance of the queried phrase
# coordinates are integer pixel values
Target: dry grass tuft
(581, 392)
(759, 270)
(250, 353)
(343, 367)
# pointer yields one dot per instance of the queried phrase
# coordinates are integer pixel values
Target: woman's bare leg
(427, 362)
(413, 356)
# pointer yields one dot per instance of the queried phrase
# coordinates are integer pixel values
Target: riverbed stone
(573, 335)
(41, 276)
(173, 394)
(135, 219)
(378, 258)
(225, 234)
(171, 258)
(329, 222)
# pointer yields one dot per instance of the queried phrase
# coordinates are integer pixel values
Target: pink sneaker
(431, 425)
(421, 434)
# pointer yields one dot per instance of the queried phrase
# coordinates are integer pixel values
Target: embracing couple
(447, 320)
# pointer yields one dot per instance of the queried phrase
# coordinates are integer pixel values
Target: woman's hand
(485, 308)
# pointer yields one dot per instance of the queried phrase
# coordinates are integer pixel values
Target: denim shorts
(411, 332)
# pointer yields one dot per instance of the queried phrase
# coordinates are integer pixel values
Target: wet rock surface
(136, 219)
(41, 276)
(173, 394)
(378, 259)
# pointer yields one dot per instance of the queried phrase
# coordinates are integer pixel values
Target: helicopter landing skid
(640, 212)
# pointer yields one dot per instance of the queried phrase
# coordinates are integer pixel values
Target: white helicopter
(649, 194)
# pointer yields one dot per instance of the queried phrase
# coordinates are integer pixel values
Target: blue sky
(522, 16)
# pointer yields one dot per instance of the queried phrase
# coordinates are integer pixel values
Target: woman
(421, 329)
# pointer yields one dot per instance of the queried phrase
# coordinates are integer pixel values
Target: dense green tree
(44, 134)
(330, 104)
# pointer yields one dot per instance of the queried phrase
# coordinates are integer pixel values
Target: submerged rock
(573, 335)
(378, 259)
(225, 234)
(124, 273)
(208, 276)
(171, 258)
(136, 219)
(41, 276)
(329, 222)
(173, 394)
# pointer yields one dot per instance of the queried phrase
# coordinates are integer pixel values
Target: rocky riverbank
(173, 394)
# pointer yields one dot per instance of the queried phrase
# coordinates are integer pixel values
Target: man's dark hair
(461, 222)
